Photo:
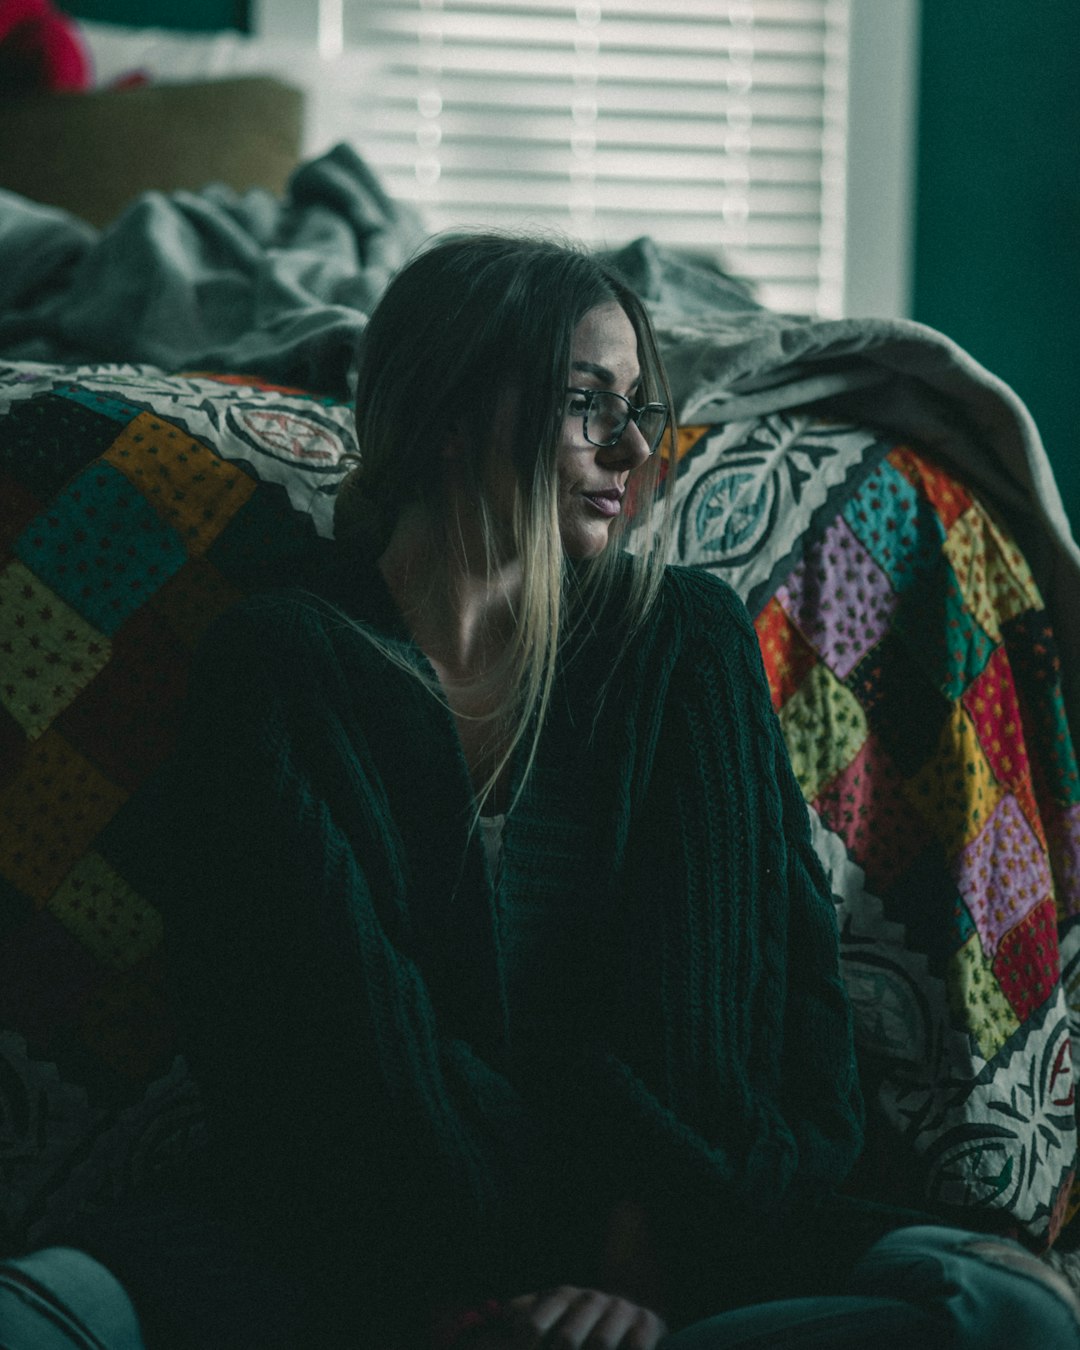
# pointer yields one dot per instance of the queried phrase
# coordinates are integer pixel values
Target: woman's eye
(578, 403)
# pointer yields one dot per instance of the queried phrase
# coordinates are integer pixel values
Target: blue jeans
(917, 1289)
(926, 1288)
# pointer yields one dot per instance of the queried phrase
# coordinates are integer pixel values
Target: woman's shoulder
(299, 624)
(696, 627)
(701, 606)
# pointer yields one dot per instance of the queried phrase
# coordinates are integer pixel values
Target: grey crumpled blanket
(281, 288)
(212, 280)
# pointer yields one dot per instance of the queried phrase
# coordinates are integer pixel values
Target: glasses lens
(652, 424)
(607, 417)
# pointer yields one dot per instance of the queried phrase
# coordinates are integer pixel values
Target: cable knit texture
(439, 1088)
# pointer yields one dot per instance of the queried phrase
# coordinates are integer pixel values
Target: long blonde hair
(469, 319)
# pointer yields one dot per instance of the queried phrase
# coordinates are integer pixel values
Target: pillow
(92, 153)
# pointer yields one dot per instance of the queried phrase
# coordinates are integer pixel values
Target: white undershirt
(491, 828)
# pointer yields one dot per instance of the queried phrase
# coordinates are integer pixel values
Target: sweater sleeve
(340, 1101)
(722, 1086)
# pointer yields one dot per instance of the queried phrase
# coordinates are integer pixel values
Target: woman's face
(592, 479)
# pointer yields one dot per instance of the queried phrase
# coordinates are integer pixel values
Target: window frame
(882, 93)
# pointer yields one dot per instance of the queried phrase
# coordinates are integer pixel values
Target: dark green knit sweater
(438, 1091)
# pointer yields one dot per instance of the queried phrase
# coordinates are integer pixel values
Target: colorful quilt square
(865, 805)
(925, 900)
(948, 497)
(993, 590)
(956, 791)
(1064, 849)
(125, 721)
(17, 509)
(1002, 874)
(192, 599)
(192, 488)
(50, 812)
(976, 1000)
(687, 438)
(1024, 792)
(1028, 963)
(905, 711)
(900, 531)
(46, 440)
(942, 636)
(992, 705)
(824, 729)
(1008, 574)
(101, 547)
(839, 598)
(105, 914)
(125, 1022)
(268, 543)
(1036, 669)
(48, 652)
(97, 400)
(785, 652)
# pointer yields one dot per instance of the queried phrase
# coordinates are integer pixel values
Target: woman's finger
(569, 1318)
(583, 1318)
(532, 1316)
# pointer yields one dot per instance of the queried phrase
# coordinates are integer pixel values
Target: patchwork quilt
(916, 677)
(912, 665)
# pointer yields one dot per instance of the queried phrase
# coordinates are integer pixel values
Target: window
(719, 127)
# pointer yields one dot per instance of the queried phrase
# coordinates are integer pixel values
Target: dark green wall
(997, 235)
(193, 14)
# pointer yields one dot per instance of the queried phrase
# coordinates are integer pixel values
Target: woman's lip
(607, 503)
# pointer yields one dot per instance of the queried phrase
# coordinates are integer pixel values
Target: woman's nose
(630, 450)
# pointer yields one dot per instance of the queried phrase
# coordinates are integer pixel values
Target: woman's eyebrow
(601, 372)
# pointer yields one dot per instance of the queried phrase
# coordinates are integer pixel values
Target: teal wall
(199, 15)
(997, 234)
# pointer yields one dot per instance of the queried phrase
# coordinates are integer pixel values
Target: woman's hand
(569, 1318)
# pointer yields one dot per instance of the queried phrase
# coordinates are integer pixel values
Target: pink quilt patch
(1002, 874)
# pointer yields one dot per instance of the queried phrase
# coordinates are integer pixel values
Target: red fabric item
(41, 49)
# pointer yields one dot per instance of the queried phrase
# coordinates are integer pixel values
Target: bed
(174, 412)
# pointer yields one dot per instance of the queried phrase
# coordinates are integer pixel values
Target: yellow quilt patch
(110, 919)
(955, 791)
(192, 488)
(977, 1001)
(48, 652)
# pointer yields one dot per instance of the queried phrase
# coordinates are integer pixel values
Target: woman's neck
(459, 611)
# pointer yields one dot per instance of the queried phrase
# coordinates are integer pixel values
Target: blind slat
(455, 28)
(765, 12)
(388, 87)
(714, 127)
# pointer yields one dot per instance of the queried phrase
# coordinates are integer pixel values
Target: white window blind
(719, 127)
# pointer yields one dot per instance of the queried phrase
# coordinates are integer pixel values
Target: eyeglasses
(605, 416)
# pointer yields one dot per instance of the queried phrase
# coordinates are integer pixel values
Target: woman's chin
(580, 546)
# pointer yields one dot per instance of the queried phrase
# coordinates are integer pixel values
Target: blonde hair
(470, 319)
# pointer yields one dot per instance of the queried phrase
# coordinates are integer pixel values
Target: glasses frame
(633, 414)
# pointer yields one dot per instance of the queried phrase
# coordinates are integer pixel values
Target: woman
(500, 948)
